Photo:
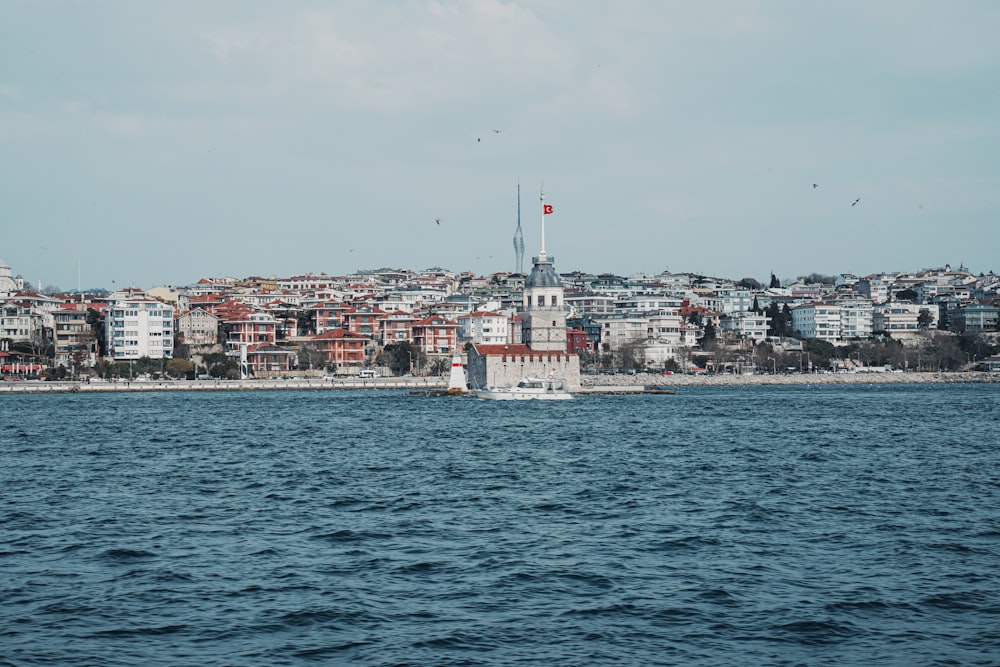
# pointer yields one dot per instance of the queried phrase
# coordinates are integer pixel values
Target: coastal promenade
(590, 383)
(98, 386)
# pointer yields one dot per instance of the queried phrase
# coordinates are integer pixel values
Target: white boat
(528, 389)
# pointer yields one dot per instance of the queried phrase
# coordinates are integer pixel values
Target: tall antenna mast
(518, 236)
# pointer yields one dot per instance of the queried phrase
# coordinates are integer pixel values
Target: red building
(327, 316)
(266, 359)
(341, 347)
(396, 327)
(577, 341)
(435, 335)
(363, 320)
(248, 328)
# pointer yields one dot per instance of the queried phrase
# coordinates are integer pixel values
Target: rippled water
(724, 526)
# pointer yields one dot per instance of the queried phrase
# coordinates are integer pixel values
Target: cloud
(397, 58)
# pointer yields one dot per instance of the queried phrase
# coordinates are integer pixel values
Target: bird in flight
(855, 201)
(815, 185)
(437, 220)
(496, 131)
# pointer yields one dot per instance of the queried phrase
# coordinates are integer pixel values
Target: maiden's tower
(542, 352)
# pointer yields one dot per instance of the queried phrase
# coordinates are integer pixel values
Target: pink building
(435, 335)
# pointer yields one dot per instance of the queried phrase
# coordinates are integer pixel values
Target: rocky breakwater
(680, 380)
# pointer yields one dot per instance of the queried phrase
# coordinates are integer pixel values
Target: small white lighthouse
(456, 381)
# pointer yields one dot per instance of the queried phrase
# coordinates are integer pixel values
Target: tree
(147, 366)
(77, 361)
(709, 339)
(309, 357)
(96, 322)
(774, 327)
(402, 357)
(786, 320)
(178, 368)
(631, 356)
(221, 366)
(775, 283)
(907, 294)
(976, 346)
(750, 283)
(823, 350)
(924, 318)
(942, 352)
(305, 322)
(608, 356)
(818, 278)
(440, 366)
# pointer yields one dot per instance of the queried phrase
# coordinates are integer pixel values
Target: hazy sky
(152, 143)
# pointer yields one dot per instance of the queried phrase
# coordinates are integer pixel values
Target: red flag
(546, 209)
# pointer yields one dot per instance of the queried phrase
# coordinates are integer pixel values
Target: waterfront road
(590, 383)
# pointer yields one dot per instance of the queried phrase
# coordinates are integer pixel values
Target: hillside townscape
(399, 322)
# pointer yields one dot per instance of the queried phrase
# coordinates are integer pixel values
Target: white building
(583, 304)
(746, 324)
(21, 322)
(136, 326)
(856, 319)
(483, 327)
(648, 301)
(817, 320)
(8, 283)
(656, 352)
(900, 318)
(664, 326)
(619, 330)
(734, 300)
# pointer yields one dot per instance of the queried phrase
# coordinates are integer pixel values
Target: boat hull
(528, 389)
(505, 395)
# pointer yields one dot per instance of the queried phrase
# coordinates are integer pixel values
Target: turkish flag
(546, 209)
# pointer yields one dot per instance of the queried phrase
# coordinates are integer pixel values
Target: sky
(156, 143)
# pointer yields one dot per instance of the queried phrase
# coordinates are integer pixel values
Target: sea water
(807, 525)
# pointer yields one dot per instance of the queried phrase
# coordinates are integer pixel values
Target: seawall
(793, 379)
(589, 383)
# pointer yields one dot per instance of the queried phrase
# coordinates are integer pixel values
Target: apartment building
(481, 327)
(138, 326)
(897, 318)
(746, 324)
(72, 334)
(247, 328)
(817, 320)
(198, 327)
(855, 319)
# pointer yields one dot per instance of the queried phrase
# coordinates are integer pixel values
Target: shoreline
(590, 384)
(793, 379)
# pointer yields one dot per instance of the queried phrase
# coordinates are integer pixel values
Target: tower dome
(543, 274)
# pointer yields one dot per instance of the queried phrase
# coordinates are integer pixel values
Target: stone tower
(543, 310)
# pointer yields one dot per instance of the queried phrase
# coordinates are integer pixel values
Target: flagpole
(541, 255)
